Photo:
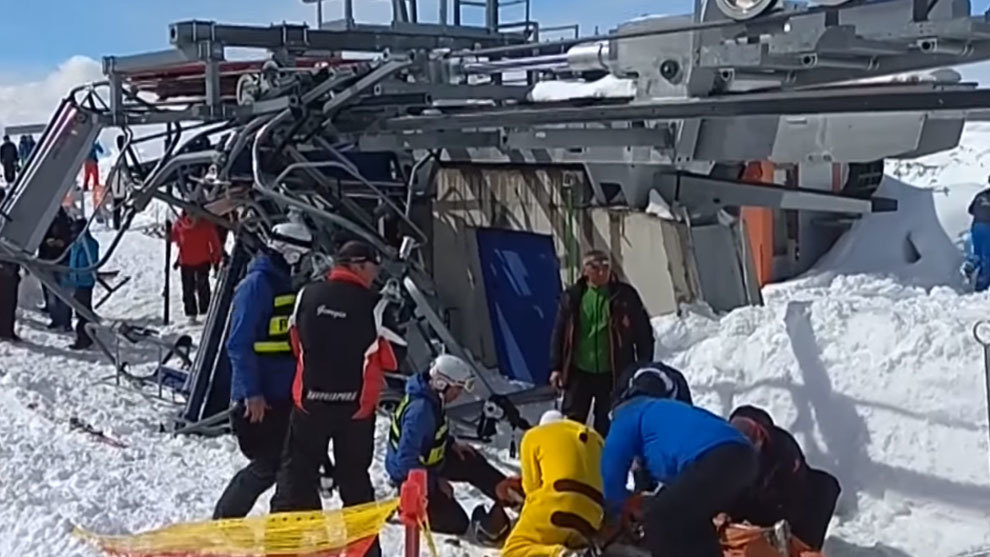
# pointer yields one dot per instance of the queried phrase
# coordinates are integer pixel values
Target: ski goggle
(443, 382)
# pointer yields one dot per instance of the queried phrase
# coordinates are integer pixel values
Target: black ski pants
(583, 388)
(9, 172)
(262, 444)
(310, 431)
(196, 284)
(446, 515)
(678, 519)
(10, 280)
(85, 297)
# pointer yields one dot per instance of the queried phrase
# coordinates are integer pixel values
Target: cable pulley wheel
(742, 10)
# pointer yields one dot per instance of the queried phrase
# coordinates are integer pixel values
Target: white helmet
(551, 416)
(447, 370)
(291, 239)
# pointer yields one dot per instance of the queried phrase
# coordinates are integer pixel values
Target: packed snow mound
(921, 244)
(882, 385)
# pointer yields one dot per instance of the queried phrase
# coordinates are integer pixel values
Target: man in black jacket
(8, 159)
(601, 329)
(10, 280)
(343, 350)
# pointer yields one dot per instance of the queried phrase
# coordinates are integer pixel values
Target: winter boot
(489, 528)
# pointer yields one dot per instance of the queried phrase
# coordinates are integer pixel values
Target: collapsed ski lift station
(734, 146)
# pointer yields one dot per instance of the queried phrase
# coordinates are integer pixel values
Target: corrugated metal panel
(536, 199)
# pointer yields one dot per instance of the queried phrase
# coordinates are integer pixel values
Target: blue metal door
(522, 286)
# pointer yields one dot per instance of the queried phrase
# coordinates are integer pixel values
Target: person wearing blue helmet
(701, 460)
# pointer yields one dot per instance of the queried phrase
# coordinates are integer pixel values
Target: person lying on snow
(562, 484)
(703, 462)
(419, 438)
(786, 488)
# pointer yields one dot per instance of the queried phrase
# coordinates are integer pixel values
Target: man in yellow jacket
(562, 482)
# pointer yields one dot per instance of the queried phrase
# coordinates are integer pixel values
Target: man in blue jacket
(703, 462)
(262, 365)
(84, 254)
(978, 260)
(419, 438)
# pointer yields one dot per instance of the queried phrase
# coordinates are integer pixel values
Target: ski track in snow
(868, 359)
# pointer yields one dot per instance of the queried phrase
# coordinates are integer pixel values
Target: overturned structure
(717, 151)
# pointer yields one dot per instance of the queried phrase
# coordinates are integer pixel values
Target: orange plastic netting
(347, 532)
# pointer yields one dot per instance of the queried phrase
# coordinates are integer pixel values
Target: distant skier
(978, 264)
(85, 253)
(262, 366)
(199, 250)
(91, 168)
(8, 159)
(24, 147)
(120, 181)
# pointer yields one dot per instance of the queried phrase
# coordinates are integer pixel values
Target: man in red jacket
(199, 249)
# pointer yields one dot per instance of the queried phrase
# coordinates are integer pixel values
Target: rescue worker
(978, 263)
(343, 351)
(262, 365)
(786, 488)
(199, 251)
(562, 483)
(601, 329)
(702, 461)
(419, 438)
(8, 159)
(662, 380)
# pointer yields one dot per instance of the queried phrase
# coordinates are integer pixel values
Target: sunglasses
(598, 265)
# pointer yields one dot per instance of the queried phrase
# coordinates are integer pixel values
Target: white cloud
(33, 102)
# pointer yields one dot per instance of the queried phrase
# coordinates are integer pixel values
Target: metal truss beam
(367, 38)
(917, 98)
(523, 139)
(145, 62)
(704, 193)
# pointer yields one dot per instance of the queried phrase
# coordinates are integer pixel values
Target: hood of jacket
(418, 386)
(270, 263)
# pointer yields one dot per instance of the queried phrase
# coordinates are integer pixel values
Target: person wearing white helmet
(262, 365)
(419, 438)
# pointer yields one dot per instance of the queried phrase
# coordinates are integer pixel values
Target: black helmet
(654, 380)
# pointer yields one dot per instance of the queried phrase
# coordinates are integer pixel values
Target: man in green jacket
(601, 329)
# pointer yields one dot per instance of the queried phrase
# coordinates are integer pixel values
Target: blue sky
(38, 35)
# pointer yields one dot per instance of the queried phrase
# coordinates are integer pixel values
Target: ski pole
(981, 332)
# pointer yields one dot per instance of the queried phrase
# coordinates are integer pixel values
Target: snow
(562, 90)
